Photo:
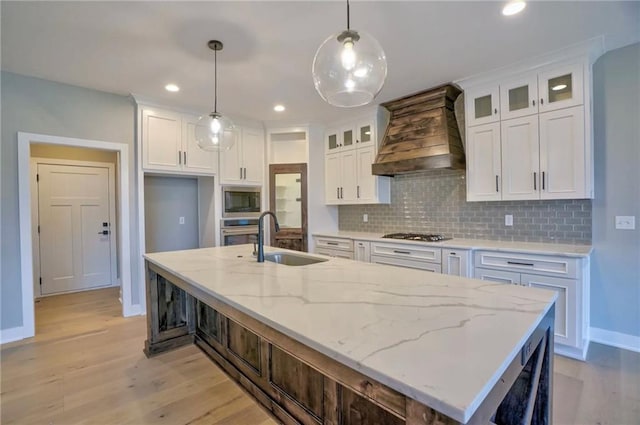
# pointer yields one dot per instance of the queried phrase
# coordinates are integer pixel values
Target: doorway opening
(27, 190)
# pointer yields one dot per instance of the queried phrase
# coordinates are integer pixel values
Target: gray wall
(44, 107)
(166, 199)
(615, 269)
(435, 202)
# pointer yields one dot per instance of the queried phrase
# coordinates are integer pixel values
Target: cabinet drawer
(335, 243)
(413, 252)
(406, 263)
(529, 263)
(335, 253)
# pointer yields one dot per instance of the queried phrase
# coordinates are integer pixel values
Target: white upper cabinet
(194, 158)
(562, 154)
(243, 164)
(168, 144)
(561, 87)
(343, 138)
(543, 144)
(482, 105)
(483, 163)
(520, 158)
(350, 152)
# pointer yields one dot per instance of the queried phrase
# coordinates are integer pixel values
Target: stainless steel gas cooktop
(416, 237)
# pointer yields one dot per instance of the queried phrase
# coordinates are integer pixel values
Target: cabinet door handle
(519, 263)
(179, 157)
(397, 251)
(535, 178)
(185, 157)
(542, 101)
(358, 191)
(497, 184)
(495, 111)
(341, 193)
(240, 173)
(338, 192)
(533, 102)
(543, 178)
(332, 243)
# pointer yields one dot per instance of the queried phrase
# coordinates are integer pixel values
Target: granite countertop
(442, 340)
(475, 244)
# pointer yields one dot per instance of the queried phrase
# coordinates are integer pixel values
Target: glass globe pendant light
(213, 130)
(349, 68)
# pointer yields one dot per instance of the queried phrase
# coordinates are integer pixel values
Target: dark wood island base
(300, 385)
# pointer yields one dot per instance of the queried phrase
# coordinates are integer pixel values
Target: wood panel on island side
(299, 385)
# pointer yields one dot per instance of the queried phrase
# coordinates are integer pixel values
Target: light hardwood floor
(85, 366)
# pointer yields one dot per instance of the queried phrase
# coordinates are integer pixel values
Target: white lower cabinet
(567, 276)
(456, 262)
(566, 329)
(362, 251)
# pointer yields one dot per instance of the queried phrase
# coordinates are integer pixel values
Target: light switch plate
(625, 222)
(508, 220)
(181, 220)
(365, 218)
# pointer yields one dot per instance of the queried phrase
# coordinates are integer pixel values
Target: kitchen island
(341, 342)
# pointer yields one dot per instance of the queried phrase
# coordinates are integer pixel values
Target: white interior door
(74, 212)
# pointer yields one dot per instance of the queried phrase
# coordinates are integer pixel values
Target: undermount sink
(289, 259)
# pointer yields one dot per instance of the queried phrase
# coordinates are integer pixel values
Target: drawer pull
(518, 263)
(397, 251)
(336, 243)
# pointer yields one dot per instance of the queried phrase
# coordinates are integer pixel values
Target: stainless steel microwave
(241, 201)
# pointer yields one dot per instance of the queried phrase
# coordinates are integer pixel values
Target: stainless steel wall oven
(238, 231)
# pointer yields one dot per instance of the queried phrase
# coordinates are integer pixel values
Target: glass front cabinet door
(560, 87)
(364, 135)
(332, 142)
(483, 105)
(518, 97)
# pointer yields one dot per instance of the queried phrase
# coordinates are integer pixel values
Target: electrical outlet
(508, 220)
(181, 221)
(365, 218)
(625, 222)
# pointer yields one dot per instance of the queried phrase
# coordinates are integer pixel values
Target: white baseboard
(11, 334)
(572, 352)
(133, 310)
(616, 339)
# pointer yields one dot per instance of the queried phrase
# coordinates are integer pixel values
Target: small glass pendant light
(349, 68)
(214, 131)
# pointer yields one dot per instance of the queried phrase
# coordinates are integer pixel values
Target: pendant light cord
(348, 27)
(215, 81)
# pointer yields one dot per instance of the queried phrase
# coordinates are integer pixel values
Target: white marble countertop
(476, 244)
(442, 340)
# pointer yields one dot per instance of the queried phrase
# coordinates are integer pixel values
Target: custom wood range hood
(422, 134)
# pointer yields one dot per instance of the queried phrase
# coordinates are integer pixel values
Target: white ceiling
(138, 47)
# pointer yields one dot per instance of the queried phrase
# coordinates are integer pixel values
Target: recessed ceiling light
(513, 7)
(172, 88)
(279, 108)
(559, 87)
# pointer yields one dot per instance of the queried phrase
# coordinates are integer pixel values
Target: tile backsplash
(435, 202)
